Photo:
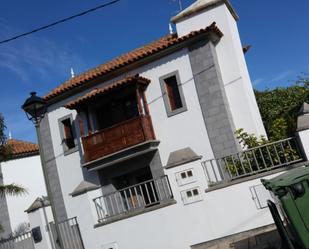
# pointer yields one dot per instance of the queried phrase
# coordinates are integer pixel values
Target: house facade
(23, 168)
(124, 141)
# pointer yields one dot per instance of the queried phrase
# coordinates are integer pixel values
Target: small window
(67, 134)
(191, 196)
(172, 91)
(185, 177)
(173, 97)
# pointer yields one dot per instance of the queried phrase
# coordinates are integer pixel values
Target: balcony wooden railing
(118, 137)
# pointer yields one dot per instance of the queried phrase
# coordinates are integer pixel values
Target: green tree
(279, 107)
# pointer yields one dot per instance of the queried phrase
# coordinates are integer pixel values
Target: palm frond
(12, 189)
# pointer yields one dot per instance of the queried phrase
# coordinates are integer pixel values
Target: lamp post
(35, 108)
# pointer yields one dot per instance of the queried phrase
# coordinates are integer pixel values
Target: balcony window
(115, 110)
(172, 94)
(116, 116)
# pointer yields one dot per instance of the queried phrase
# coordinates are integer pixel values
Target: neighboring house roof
(38, 203)
(22, 149)
(201, 5)
(128, 59)
(100, 91)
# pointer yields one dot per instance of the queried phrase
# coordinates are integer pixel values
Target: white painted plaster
(232, 64)
(38, 219)
(183, 130)
(26, 172)
(220, 213)
(304, 138)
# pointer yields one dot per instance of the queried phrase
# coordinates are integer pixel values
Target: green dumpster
(292, 191)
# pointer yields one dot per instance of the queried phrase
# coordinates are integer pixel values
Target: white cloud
(36, 56)
(281, 76)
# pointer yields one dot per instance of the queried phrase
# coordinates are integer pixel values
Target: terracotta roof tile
(22, 148)
(128, 58)
(100, 91)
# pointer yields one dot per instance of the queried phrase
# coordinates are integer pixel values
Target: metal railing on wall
(23, 241)
(133, 198)
(253, 161)
(70, 234)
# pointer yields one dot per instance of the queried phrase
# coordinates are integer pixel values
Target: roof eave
(185, 14)
(214, 35)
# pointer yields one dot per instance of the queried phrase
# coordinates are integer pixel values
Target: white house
(134, 146)
(23, 168)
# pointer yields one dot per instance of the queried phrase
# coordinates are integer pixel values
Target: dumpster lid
(287, 179)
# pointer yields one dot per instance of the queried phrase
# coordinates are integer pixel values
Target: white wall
(232, 64)
(40, 219)
(26, 172)
(176, 132)
(304, 138)
(220, 213)
(186, 129)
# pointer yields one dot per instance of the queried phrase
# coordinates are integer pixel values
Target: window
(191, 195)
(116, 110)
(185, 177)
(172, 91)
(67, 133)
(172, 94)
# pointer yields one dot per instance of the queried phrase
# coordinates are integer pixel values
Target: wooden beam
(146, 107)
(81, 124)
(139, 103)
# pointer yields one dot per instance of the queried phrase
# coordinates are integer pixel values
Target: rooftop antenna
(180, 5)
(170, 28)
(72, 73)
(10, 135)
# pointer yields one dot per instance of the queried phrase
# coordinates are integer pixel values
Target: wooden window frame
(66, 149)
(165, 94)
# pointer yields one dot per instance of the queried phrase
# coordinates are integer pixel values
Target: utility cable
(60, 21)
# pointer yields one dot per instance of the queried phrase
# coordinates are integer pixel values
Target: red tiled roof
(100, 91)
(21, 148)
(128, 58)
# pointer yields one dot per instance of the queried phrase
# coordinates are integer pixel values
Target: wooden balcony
(118, 137)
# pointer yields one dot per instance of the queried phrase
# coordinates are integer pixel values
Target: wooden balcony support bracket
(81, 124)
(139, 104)
(88, 121)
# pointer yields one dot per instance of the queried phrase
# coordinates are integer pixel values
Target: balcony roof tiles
(100, 91)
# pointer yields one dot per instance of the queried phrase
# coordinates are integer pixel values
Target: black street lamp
(35, 108)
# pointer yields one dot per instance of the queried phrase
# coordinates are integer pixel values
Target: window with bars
(173, 97)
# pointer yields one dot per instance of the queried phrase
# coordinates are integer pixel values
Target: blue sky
(276, 30)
